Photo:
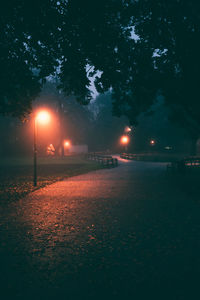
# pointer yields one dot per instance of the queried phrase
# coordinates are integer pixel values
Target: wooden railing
(130, 156)
(105, 160)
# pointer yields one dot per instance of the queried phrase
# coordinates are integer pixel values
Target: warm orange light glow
(124, 139)
(127, 129)
(67, 143)
(43, 117)
(152, 142)
(50, 150)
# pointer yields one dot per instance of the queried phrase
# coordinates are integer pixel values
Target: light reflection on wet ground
(117, 232)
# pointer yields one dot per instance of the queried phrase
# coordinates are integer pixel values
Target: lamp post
(42, 117)
(125, 141)
(67, 145)
(35, 154)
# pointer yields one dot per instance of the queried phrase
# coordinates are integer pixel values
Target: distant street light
(42, 117)
(152, 142)
(67, 145)
(127, 129)
(124, 141)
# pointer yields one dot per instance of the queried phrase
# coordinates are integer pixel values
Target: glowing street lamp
(67, 144)
(152, 142)
(127, 129)
(124, 141)
(43, 118)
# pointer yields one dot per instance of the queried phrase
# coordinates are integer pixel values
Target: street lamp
(152, 142)
(42, 117)
(127, 129)
(124, 141)
(67, 145)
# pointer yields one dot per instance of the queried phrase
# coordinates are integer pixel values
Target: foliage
(27, 51)
(81, 39)
(170, 30)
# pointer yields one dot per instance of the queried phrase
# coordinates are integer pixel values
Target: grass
(16, 174)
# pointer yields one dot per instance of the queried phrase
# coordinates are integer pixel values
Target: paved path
(123, 232)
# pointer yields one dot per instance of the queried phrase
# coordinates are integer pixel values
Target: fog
(92, 125)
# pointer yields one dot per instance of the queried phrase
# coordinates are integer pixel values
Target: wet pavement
(130, 232)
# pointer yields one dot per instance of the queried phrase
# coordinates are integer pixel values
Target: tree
(88, 38)
(84, 38)
(170, 31)
(27, 51)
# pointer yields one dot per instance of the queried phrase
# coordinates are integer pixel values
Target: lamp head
(43, 117)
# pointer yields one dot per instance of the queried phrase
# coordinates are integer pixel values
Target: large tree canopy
(170, 29)
(77, 39)
(28, 51)
(40, 38)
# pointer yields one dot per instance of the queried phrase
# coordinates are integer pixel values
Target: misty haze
(99, 149)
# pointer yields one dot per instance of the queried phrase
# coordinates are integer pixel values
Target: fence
(105, 160)
(129, 156)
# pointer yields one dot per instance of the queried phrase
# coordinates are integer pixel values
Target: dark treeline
(93, 125)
